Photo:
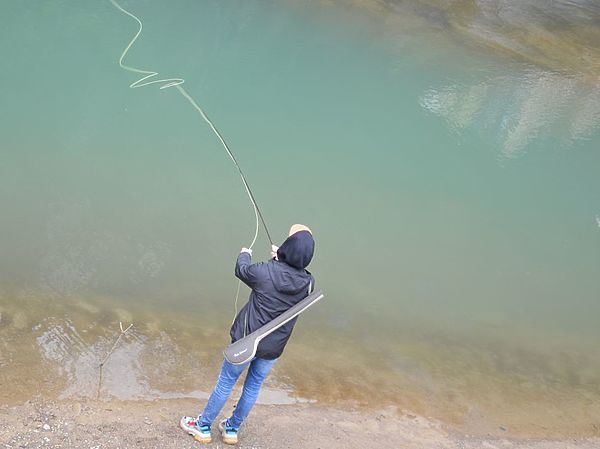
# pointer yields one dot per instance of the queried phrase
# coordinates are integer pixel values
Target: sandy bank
(153, 424)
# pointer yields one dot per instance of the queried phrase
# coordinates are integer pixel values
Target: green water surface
(453, 189)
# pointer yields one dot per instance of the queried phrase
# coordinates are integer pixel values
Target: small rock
(46, 427)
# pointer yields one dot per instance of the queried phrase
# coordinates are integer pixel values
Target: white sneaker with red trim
(200, 433)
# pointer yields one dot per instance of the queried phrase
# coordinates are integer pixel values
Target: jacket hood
(287, 279)
(293, 256)
(297, 250)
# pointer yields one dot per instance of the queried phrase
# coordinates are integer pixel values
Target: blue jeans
(259, 368)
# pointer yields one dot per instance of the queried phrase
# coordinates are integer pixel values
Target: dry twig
(114, 346)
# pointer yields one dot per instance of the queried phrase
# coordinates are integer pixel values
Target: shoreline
(155, 362)
(40, 423)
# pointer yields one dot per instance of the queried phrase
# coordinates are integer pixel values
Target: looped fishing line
(147, 80)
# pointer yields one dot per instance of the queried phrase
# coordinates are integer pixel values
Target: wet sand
(481, 390)
(154, 424)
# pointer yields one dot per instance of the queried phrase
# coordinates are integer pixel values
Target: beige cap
(297, 228)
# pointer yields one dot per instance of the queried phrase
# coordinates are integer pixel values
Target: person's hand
(246, 250)
(274, 249)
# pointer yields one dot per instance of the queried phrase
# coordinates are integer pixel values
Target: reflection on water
(151, 361)
(515, 111)
(147, 363)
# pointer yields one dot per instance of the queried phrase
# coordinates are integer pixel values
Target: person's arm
(244, 270)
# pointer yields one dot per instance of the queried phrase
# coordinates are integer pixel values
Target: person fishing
(277, 285)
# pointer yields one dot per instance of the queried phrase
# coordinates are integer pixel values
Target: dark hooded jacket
(276, 286)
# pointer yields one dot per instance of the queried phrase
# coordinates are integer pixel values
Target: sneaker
(228, 432)
(200, 433)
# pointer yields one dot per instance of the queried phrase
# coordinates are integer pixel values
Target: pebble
(46, 427)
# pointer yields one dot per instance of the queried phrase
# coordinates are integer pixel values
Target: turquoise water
(452, 184)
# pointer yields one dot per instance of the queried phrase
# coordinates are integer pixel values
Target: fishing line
(147, 79)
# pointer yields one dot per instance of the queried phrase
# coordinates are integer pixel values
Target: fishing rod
(244, 349)
(150, 77)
